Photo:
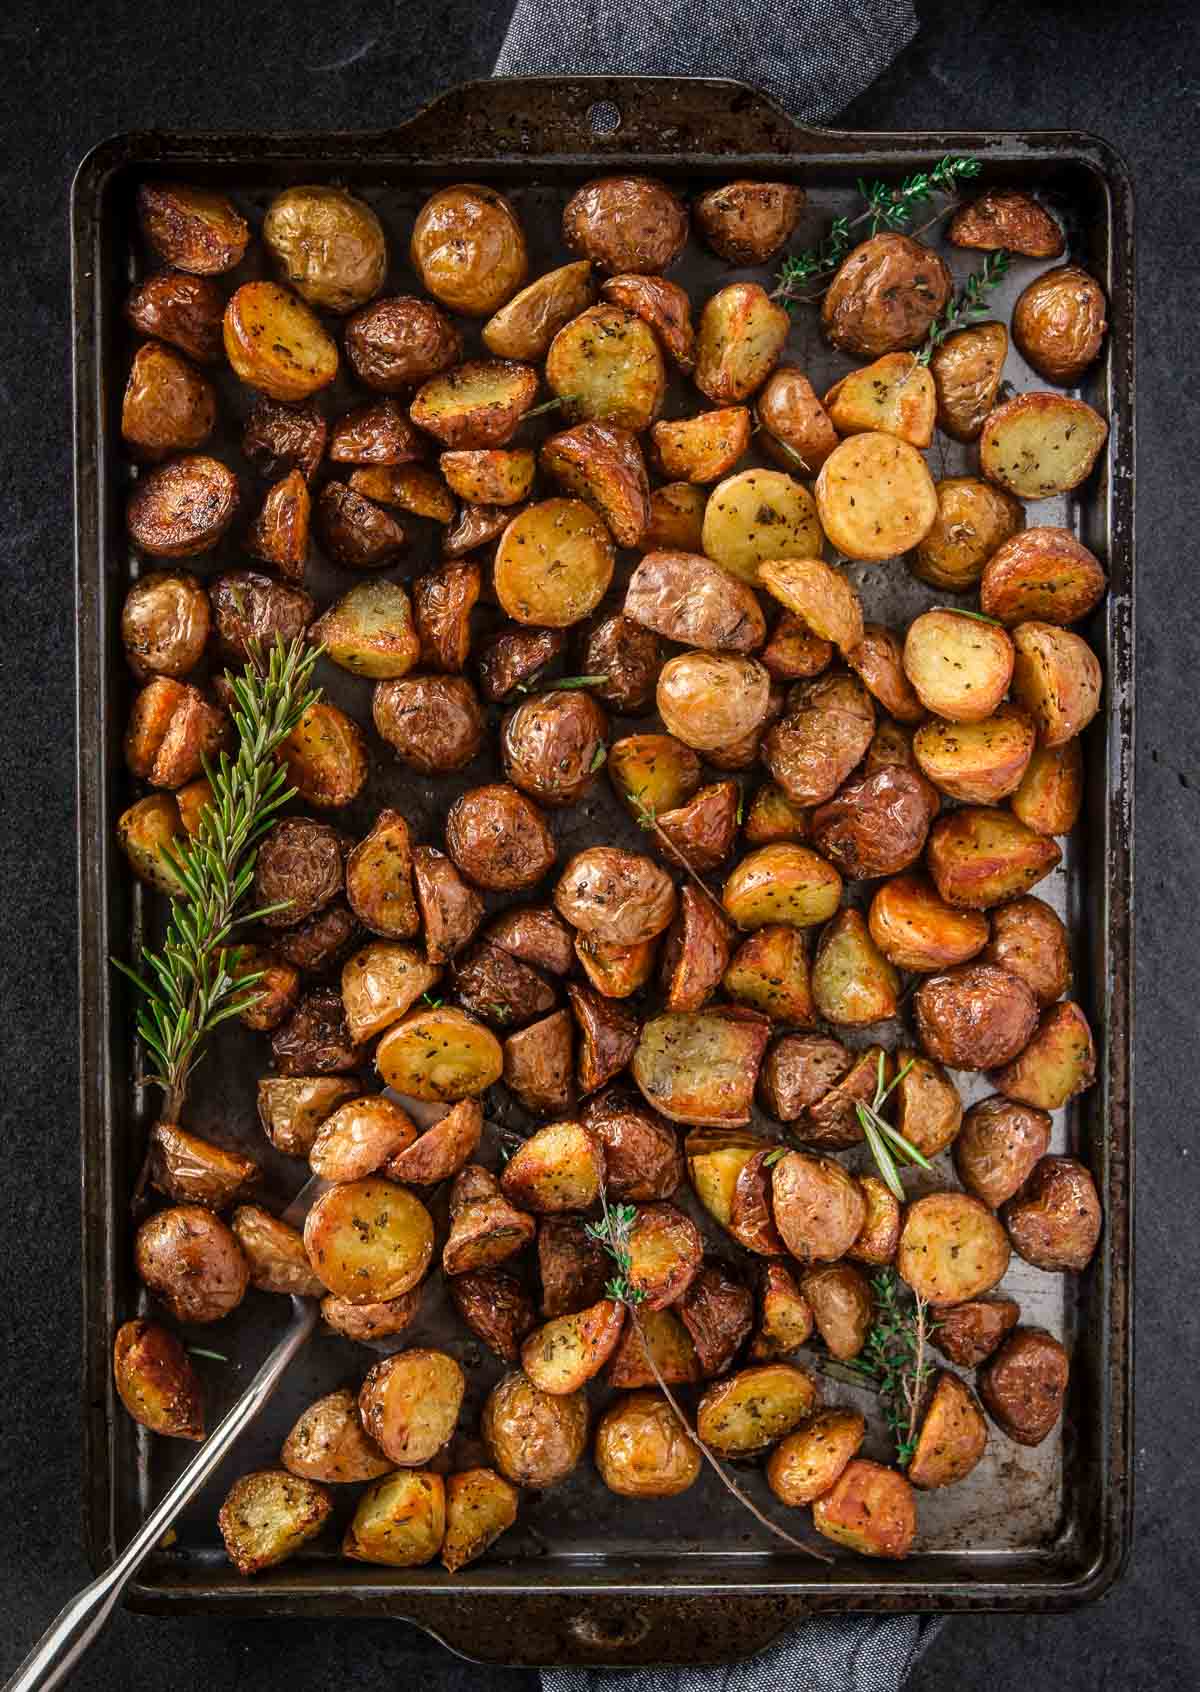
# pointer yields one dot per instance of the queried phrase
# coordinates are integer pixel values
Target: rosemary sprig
(893, 1359)
(613, 1232)
(565, 684)
(548, 405)
(886, 1145)
(965, 307)
(887, 208)
(961, 611)
(191, 984)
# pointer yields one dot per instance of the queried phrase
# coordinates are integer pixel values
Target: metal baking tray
(586, 1577)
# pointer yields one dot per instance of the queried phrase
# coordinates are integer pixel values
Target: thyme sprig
(613, 1233)
(192, 983)
(885, 1143)
(967, 306)
(893, 1361)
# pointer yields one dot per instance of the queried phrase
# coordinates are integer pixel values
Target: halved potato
(966, 371)
(366, 1322)
(558, 1168)
(785, 1318)
(616, 971)
(782, 883)
(439, 1053)
(771, 973)
(442, 1150)
(157, 1381)
(880, 1235)
(400, 1520)
(773, 817)
(1040, 444)
(602, 465)
(715, 1160)
(959, 666)
(369, 631)
(853, 984)
(182, 508)
(325, 756)
(496, 1307)
(794, 652)
(360, 1137)
(951, 1248)
(172, 730)
(1057, 678)
(292, 1108)
(276, 344)
(758, 515)
(168, 405)
(664, 306)
(525, 327)
(553, 564)
(875, 825)
(477, 404)
(1007, 218)
(192, 229)
(979, 762)
(369, 1241)
(703, 448)
(717, 1310)
(665, 1251)
(379, 879)
(653, 773)
(607, 1036)
(480, 1505)
(696, 952)
(742, 332)
(700, 834)
(1044, 574)
(875, 497)
(669, 1343)
(606, 367)
(877, 659)
(809, 1462)
(929, 1112)
(267, 1516)
(535, 1438)
(819, 1208)
(796, 429)
(377, 433)
(676, 519)
(356, 533)
(450, 910)
(713, 700)
(567, 1351)
(894, 395)
(969, 1333)
(489, 475)
(1054, 1222)
(381, 982)
(1058, 1062)
(974, 520)
(819, 594)
(831, 1120)
(701, 1066)
(799, 1071)
(952, 1438)
(870, 1508)
(754, 1407)
(468, 248)
(979, 856)
(328, 1443)
(148, 831)
(485, 1229)
(409, 1404)
(885, 295)
(1024, 1385)
(842, 1306)
(408, 487)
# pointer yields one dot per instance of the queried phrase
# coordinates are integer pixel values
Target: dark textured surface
(74, 75)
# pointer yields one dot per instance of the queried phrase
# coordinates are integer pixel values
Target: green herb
(548, 405)
(893, 1359)
(965, 307)
(613, 1233)
(773, 1157)
(741, 805)
(191, 984)
(200, 1351)
(961, 611)
(434, 1004)
(568, 682)
(598, 760)
(885, 1144)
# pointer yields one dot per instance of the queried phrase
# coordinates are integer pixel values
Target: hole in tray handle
(604, 118)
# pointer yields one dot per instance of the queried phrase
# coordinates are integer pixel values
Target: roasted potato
(616, 897)
(360, 1137)
(1030, 940)
(485, 1228)
(951, 1248)
(477, 404)
(328, 1443)
(750, 1410)
(772, 817)
(819, 595)
(1054, 1221)
(713, 700)
(717, 1311)
(959, 666)
(299, 868)
(450, 910)
(354, 531)
(676, 521)
(434, 724)
(468, 249)
(1008, 218)
(191, 1262)
(819, 1208)
(168, 405)
(194, 229)
(980, 761)
(292, 1108)
(653, 773)
(442, 1150)
(279, 438)
(615, 971)
(782, 883)
(409, 1404)
(500, 989)
(668, 1341)
(980, 857)
(574, 1268)
(147, 832)
(643, 1450)
(976, 1016)
(701, 1066)
(969, 1333)
(606, 367)
(870, 1508)
(880, 1235)
(831, 1122)
(499, 839)
(700, 834)
(703, 448)
(1058, 1061)
(378, 433)
(1058, 323)
(267, 1516)
(756, 516)
(875, 826)
(843, 1309)
(477, 526)
(567, 1351)
(369, 1241)
(696, 952)
(626, 224)
(608, 1034)
(276, 344)
(798, 1071)
(315, 1040)
(664, 306)
(526, 325)
(192, 1170)
(1043, 574)
(642, 1155)
(665, 1251)
(558, 1168)
(409, 487)
(275, 1253)
(974, 521)
(771, 973)
(172, 731)
(1036, 445)
(1057, 678)
(877, 659)
(156, 1381)
(822, 736)
(249, 608)
(535, 1438)
(328, 245)
(895, 395)
(929, 1111)
(628, 657)
(716, 1158)
(366, 1322)
(279, 534)
(400, 1520)
(183, 507)
(325, 756)
(379, 881)
(185, 311)
(875, 497)
(809, 1463)
(496, 1308)
(884, 296)
(1024, 1385)
(164, 624)
(536, 935)
(741, 334)
(748, 222)
(691, 601)
(553, 564)
(480, 1506)
(967, 369)
(785, 1318)
(797, 432)
(395, 344)
(441, 1054)
(319, 944)
(553, 744)
(490, 476)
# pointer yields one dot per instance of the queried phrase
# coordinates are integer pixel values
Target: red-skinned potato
(328, 1443)
(165, 623)
(884, 296)
(794, 652)
(626, 224)
(573, 1267)
(499, 838)
(670, 1344)
(717, 1311)
(880, 1233)
(1024, 1385)
(695, 952)
(371, 1321)
(157, 1382)
(749, 1217)
(796, 430)
(1054, 1221)
(713, 700)
(191, 1170)
(539, 1065)
(480, 1506)
(168, 405)
(1042, 574)
(442, 1150)
(740, 336)
(691, 601)
(700, 834)
(974, 518)
(1058, 1061)
(485, 1229)
(676, 521)
(442, 605)
(967, 369)
(643, 1158)
(185, 311)
(842, 1306)
(194, 229)
(552, 745)
(615, 896)
(664, 306)
(1008, 218)
(819, 1208)
(870, 1508)
(977, 1016)
(799, 1070)
(821, 738)
(979, 856)
(1058, 323)
(602, 465)
(608, 1035)
(929, 1111)
(969, 1333)
(500, 989)
(191, 1261)
(468, 249)
(999, 1145)
(615, 971)
(832, 1121)
(874, 826)
(397, 343)
(535, 1438)
(409, 1404)
(526, 325)
(1030, 940)
(450, 910)
(534, 934)
(748, 222)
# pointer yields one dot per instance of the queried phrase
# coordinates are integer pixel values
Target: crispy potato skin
(702, 831)
(442, 1150)
(951, 1248)
(185, 311)
(485, 1228)
(617, 897)
(747, 222)
(661, 304)
(1059, 325)
(703, 448)
(741, 336)
(794, 652)
(808, 1463)
(193, 229)
(276, 344)
(400, 1520)
(567, 534)
(267, 1516)
(711, 700)
(979, 857)
(884, 296)
(822, 736)
(552, 744)
(818, 594)
(1006, 217)
(603, 466)
(168, 406)
(1054, 1221)
(750, 1410)
(536, 935)
(974, 521)
(191, 1261)
(369, 1241)
(535, 1438)
(952, 1439)
(626, 224)
(628, 657)
(642, 1449)
(477, 526)
(315, 1040)
(279, 534)
(450, 910)
(434, 724)
(701, 1066)
(299, 865)
(1024, 1384)
(1058, 1062)
(378, 433)
(191, 1170)
(500, 989)
(608, 1034)
(875, 826)
(248, 606)
(328, 245)
(878, 662)
(915, 929)
(642, 1156)
(477, 404)
(772, 818)
(695, 954)
(499, 838)
(409, 1404)
(164, 624)
(1043, 575)
(157, 1382)
(1030, 940)
(275, 1253)
(496, 1308)
(842, 1306)
(183, 507)
(966, 371)
(832, 1121)
(281, 437)
(468, 249)
(172, 729)
(480, 1506)
(969, 1333)
(319, 944)
(395, 344)
(799, 1070)
(976, 1016)
(1036, 445)
(360, 1137)
(870, 1508)
(526, 325)
(573, 1267)
(691, 601)
(819, 1208)
(354, 531)
(797, 432)
(328, 1443)
(880, 1235)
(1057, 678)
(370, 1321)
(717, 1311)
(514, 656)
(929, 1111)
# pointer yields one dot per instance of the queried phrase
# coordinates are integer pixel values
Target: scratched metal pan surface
(585, 1576)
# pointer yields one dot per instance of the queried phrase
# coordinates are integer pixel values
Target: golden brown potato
(328, 1443)
(695, 603)
(702, 448)
(603, 466)
(877, 659)
(821, 738)
(499, 839)
(874, 826)
(974, 520)
(485, 1228)
(400, 1520)
(842, 1307)
(292, 1109)
(397, 343)
(379, 880)
(442, 1150)
(676, 518)
(1058, 323)
(193, 229)
(567, 1351)
(1039, 444)
(629, 659)
(539, 1065)
(184, 311)
(818, 594)
(434, 723)
(378, 433)
(929, 1112)
(279, 438)
(168, 406)
(969, 1333)
(477, 526)
(606, 367)
(267, 1516)
(1024, 1385)
(643, 1450)
(782, 883)
(831, 1122)
(500, 989)
(439, 1053)
(477, 404)
(785, 1318)
(315, 1040)
(894, 395)
(554, 563)
(369, 1241)
(771, 973)
(480, 1506)
(615, 971)
(980, 857)
(870, 1508)
(355, 532)
(741, 335)
(966, 369)
(875, 497)
(368, 1322)
(279, 534)
(328, 245)
(1043, 574)
(191, 1170)
(747, 222)
(951, 1248)
(819, 1208)
(884, 296)
(147, 831)
(1030, 940)
(717, 1311)
(515, 658)
(758, 515)
(157, 1382)
(616, 897)
(574, 1268)
(797, 432)
(409, 487)
(773, 817)
(468, 249)
(360, 1137)
(191, 1262)
(1054, 1221)
(298, 868)
(1057, 678)
(1006, 217)
(642, 1155)
(952, 1437)
(369, 631)
(558, 1168)
(669, 1342)
(712, 700)
(701, 833)
(701, 1066)
(664, 306)
(976, 1016)
(535, 1438)
(526, 325)
(979, 761)
(880, 1235)
(808, 1463)
(799, 1070)
(959, 666)
(325, 756)
(496, 1308)
(250, 609)
(409, 1404)
(716, 1158)
(553, 744)
(1058, 1061)
(450, 910)
(183, 507)
(665, 1251)
(607, 1036)
(626, 223)
(536, 935)
(275, 1253)
(164, 624)
(750, 1410)
(276, 344)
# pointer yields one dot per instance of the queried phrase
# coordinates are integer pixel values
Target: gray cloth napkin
(814, 56)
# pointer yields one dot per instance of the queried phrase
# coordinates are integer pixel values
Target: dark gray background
(73, 73)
